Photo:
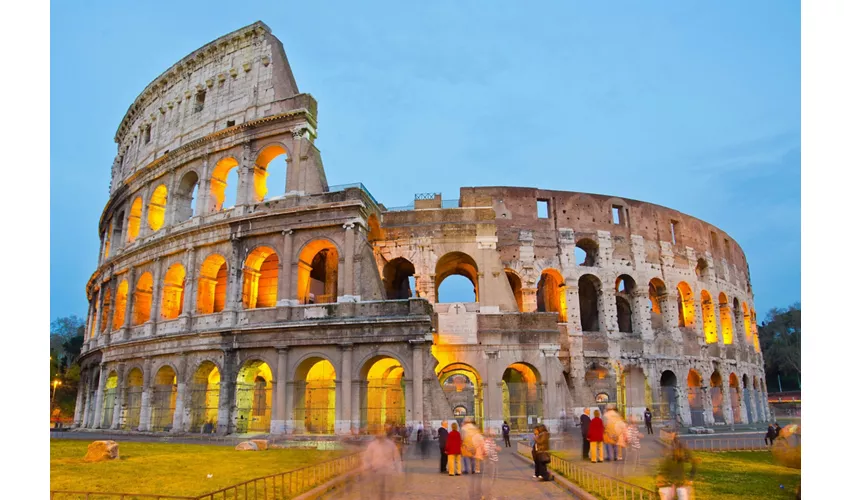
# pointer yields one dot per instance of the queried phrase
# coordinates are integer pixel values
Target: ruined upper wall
(238, 77)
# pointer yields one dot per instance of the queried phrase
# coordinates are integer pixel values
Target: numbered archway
(669, 409)
(204, 398)
(164, 399)
(382, 400)
(315, 398)
(110, 393)
(133, 403)
(717, 398)
(462, 387)
(695, 398)
(735, 398)
(253, 398)
(522, 399)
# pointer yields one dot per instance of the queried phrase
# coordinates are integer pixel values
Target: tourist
(610, 438)
(491, 450)
(671, 479)
(647, 421)
(468, 432)
(633, 437)
(381, 461)
(770, 436)
(478, 458)
(595, 435)
(453, 443)
(585, 426)
(442, 436)
(506, 434)
(542, 457)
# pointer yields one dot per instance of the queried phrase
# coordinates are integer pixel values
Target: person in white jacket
(381, 461)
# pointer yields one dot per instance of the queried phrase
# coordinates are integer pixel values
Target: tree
(66, 341)
(779, 335)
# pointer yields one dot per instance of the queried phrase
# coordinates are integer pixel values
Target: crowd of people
(611, 437)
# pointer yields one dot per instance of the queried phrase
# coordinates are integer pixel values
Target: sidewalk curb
(570, 486)
(323, 488)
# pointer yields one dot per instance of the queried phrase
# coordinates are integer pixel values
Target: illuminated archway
(133, 402)
(120, 305)
(263, 167)
(184, 199)
(142, 298)
(735, 398)
(259, 277)
(725, 319)
(686, 305)
(204, 398)
(669, 408)
(93, 322)
(456, 263)
(110, 392)
(522, 397)
(625, 290)
(225, 177)
(552, 294)
(134, 221)
(107, 306)
(717, 397)
(212, 285)
(156, 207)
(315, 406)
(318, 273)
(657, 303)
(748, 326)
(172, 291)
(398, 279)
(695, 398)
(384, 401)
(709, 324)
(375, 232)
(253, 398)
(589, 296)
(164, 399)
(516, 288)
(462, 387)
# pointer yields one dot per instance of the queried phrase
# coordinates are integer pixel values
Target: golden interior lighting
(318, 273)
(172, 291)
(686, 305)
(656, 291)
(142, 299)
(725, 319)
(106, 243)
(748, 326)
(107, 305)
(120, 305)
(516, 287)
(212, 285)
(319, 398)
(156, 207)
(709, 323)
(218, 183)
(554, 293)
(260, 279)
(93, 329)
(384, 394)
(261, 173)
(134, 220)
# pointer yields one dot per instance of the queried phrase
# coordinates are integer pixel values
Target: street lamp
(56, 383)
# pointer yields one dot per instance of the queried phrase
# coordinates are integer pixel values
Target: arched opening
(384, 398)
(748, 326)
(375, 232)
(133, 403)
(748, 403)
(589, 291)
(93, 322)
(212, 285)
(399, 281)
(686, 305)
(164, 399)
(598, 380)
(187, 193)
(586, 252)
(142, 298)
(456, 289)
(657, 303)
(625, 288)
(134, 221)
(318, 273)
(172, 291)
(460, 412)
(552, 294)
(107, 236)
(315, 407)
(516, 288)
(272, 159)
(635, 393)
(462, 387)
(695, 398)
(259, 277)
(735, 398)
(669, 408)
(107, 307)
(117, 225)
(709, 324)
(110, 392)
(717, 397)
(522, 399)
(204, 398)
(701, 269)
(726, 320)
(253, 398)
(224, 184)
(156, 207)
(120, 305)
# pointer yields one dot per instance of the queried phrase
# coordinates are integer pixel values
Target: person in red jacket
(453, 450)
(595, 434)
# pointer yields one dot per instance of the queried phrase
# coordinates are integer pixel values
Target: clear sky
(691, 105)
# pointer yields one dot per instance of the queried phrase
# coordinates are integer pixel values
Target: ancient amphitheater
(238, 292)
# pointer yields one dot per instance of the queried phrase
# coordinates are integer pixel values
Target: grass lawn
(170, 469)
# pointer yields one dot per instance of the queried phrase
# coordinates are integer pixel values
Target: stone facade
(291, 306)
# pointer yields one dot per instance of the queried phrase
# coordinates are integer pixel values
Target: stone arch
(461, 384)
(748, 326)
(657, 303)
(134, 220)
(735, 398)
(262, 169)
(726, 328)
(625, 293)
(185, 197)
(142, 297)
(709, 323)
(164, 398)
(259, 278)
(134, 385)
(590, 298)
(716, 392)
(398, 277)
(552, 294)
(203, 395)
(173, 286)
(318, 272)
(156, 208)
(522, 396)
(110, 394)
(587, 252)
(315, 395)
(456, 263)
(695, 402)
(685, 301)
(120, 304)
(212, 284)
(223, 176)
(374, 224)
(254, 391)
(701, 269)
(515, 282)
(107, 306)
(382, 398)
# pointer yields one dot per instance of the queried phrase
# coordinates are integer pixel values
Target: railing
(274, 487)
(599, 485)
(726, 444)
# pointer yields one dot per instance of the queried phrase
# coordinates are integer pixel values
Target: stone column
(418, 388)
(348, 286)
(491, 388)
(98, 402)
(641, 322)
(766, 405)
(145, 413)
(227, 388)
(78, 408)
(670, 313)
(279, 406)
(179, 401)
(98, 313)
(284, 281)
(87, 404)
(125, 225)
(291, 423)
(529, 299)
(128, 312)
(156, 295)
(728, 414)
(202, 204)
(344, 425)
(119, 398)
(408, 401)
(144, 228)
(113, 290)
(190, 294)
(707, 406)
(171, 201)
(234, 268)
(608, 311)
(573, 307)
(356, 391)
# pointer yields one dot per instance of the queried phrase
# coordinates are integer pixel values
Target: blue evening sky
(691, 105)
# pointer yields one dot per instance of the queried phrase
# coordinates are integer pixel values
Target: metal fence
(274, 487)
(726, 444)
(597, 484)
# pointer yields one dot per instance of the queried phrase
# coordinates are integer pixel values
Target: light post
(56, 383)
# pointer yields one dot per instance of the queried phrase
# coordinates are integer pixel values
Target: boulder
(247, 446)
(262, 444)
(100, 451)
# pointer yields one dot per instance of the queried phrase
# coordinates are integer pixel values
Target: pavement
(636, 463)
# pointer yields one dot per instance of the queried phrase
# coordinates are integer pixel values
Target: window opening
(617, 215)
(674, 225)
(147, 134)
(200, 97)
(542, 209)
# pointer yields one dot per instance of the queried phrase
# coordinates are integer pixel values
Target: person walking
(633, 437)
(381, 461)
(585, 426)
(491, 450)
(672, 480)
(770, 436)
(478, 458)
(442, 436)
(506, 434)
(542, 457)
(467, 449)
(595, 435)
(610, 438)
(453, 443)
(647, 421)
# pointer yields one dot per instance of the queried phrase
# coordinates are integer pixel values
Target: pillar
(119, 398)
(608, 311)
(707, 406)
(144, 228)
(126, 223)
(98, 313)
(344, 424)
(728, 414)
(408, 400)
(357, 389)
(418, 387)
(190, 294)
(98, 404)
(128, 313)
(670, 312)
(87, 404)
(279, 405)
(529, 299)
(348, 285)
(78, 408)
(227, 388)
(284, 280)
(202, 204)
(180, 400)
(156, 296)
(145, 413)
(234, 266)
(641, 322)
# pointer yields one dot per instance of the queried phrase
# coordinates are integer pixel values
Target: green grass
(169, 469)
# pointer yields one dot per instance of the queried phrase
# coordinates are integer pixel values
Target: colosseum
(237, 292)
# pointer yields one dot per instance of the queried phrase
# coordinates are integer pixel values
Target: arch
(318, 272)
(456, 263)
(624, 292)
(184, 199)
(315, 396)
(133, 403)
(687, 310)
(107, 238)
(259, 276)
(657, 303)
(262, 166)
(383, 398)
(716, 392)
(212, 284)
(172, 291)
(164, 398)
(589, 296)
(709, 324)
(399, 279)
(552, 294)
(701, 269)
(120, 305)
(461, 386)
(516, 288)
(669, 398)
(110, 392)
(142, 298)
(254, 392)
(107, 307)
(222, 181)
(117, 226)
(204, 394)
(156, 207)
(726, 328)
(522, 396)
(587, 252)
(748, 326)
(735, 398)
(375, 232)
(695, 398)
(635, 393)
(134, 221)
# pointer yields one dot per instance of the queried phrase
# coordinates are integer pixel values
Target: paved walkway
(644, 463)
(421, 480)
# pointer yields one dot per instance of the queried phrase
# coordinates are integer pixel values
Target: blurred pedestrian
(647, 421)
(381, 462)
(770, 436)
(595, 435)
(442, 436)
(611, 437)
(506, 434)
(542, 457)
(672, 480)
(585, 426)
(453, 443)
(633, 437)
(478, 458)
(491, 450)
(467, 433)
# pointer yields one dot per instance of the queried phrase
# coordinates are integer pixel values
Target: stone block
(101, 451)
(247, 446)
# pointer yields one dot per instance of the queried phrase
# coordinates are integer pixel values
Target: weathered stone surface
(100, 451)
(247, 446)
(262, 444)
